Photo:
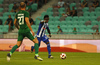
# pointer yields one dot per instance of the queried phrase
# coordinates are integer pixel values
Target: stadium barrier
(57, 45)
(60, 36)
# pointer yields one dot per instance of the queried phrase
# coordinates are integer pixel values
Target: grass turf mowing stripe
(73, 58)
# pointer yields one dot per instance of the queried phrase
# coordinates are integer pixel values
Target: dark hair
(46, 16)
(58, 26)
(22, 4)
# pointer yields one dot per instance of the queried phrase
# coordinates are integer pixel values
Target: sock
(49, 48)
(13, 49)
(32, 47)
(10, 53)
(36, 55)
(36, 47)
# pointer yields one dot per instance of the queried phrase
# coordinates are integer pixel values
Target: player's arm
(57, 31)
(85, 4)
(5, 22)
(49, 31)
(97, 4)
(28, 24)
(12, 9)
(15, 23)
(73, 13)
(82, 4)
(10, 22)
(31, 23)
(93, 4)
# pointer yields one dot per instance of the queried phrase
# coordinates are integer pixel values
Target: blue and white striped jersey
(42, 28)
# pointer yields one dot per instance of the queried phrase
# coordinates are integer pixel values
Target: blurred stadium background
(86, 38)
(86, 21)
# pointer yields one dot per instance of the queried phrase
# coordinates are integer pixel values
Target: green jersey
(24, 31)
(20, 16)
(74, 31)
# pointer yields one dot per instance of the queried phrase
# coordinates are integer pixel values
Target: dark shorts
(44, 39)
(25, 34)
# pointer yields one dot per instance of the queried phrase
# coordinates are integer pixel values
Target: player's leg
(46, 40)
(19, 42)
(36, 46)
(13, 49)
(32, 47)
(48, 48)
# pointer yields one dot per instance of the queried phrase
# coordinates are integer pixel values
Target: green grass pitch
(73, 58)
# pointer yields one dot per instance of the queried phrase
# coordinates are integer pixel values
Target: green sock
(36, 47)
(13, 49)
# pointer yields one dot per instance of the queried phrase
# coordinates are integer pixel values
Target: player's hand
(49, 35)
(32, 33)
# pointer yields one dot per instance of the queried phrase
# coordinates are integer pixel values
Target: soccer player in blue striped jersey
(41, 36)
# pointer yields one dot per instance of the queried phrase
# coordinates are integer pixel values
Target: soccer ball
(62, 55)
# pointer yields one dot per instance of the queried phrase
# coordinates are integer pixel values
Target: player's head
(22, 5)
(14, 3)
(46, 18)
(75, 29)
(97, 30)
(58, 26)
(9, 16)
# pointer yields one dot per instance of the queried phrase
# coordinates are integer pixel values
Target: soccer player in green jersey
(25, 30)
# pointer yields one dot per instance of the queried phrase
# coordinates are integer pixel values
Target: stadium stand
(67, 23)
(84, 14)
(5, 10)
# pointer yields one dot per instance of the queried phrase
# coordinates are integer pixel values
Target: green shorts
(25, 34)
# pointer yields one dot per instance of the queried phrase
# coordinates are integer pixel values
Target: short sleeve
(27, 14)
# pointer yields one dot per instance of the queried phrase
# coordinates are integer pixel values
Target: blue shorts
(44, 39)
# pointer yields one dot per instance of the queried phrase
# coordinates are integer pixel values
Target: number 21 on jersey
(21, 19)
